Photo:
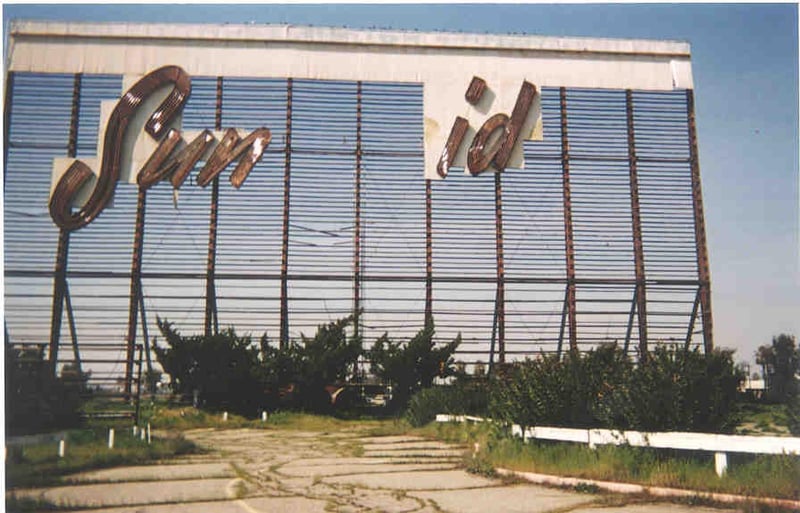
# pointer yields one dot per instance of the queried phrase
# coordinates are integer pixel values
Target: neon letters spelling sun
(164, 160)
(485, 150)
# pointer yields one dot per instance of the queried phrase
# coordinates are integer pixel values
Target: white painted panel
(444, 63)
(662, 440)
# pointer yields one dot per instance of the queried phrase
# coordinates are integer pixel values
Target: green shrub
(327, 359)
(36, 400)
(223, 368)
(780, 362)
(235, 373)
(464, 397)
(677, 390)
(671, 390)
(412, 366)
(571, 392)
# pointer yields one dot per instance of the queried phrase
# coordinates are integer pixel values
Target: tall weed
(670, 390)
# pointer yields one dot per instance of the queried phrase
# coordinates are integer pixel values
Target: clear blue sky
(745, 62)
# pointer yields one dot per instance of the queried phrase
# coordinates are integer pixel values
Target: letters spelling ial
(480, 156)
(163, 161)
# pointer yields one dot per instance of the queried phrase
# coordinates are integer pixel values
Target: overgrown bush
(677, 390)
(558, 392)
(36, 400)
(329, 358)
(223, 369)
(464, 397)
(671, 390)
(412, 366)
(235, 373)
(780, 363)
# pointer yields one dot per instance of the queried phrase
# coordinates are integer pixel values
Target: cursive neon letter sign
(164, 160)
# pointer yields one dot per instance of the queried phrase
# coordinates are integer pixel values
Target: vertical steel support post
(640, 294)
(284, 296)
(62, 251)
(211, 324)
(500, 299)
(428, 253)
(703, 271)
(357, 230)
(569, 241)
(136, 289)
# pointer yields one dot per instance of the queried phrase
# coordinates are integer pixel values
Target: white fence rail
(720, 445)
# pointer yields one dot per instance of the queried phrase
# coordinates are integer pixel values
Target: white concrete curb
(651, 490)
(720, 445)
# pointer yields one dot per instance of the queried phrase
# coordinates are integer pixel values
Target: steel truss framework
(600, 239)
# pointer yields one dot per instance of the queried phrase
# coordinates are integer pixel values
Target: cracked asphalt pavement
(253, 471)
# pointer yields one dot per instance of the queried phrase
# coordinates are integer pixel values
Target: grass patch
(179, 418)
(388, 427)
(16, 504)
(182, 418)
(767, 419)
(610, 500)
(775, 476)
(176, 418)
(86, 449)
(307, 422)
(768, 476)
(366, 426)
(461, 433)
(479, 465)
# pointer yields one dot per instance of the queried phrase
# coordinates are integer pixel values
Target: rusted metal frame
(284, 294)
(629, 329)
(7, 105)
(500, 300)
(692, 319)
(703, 271)
(428, 254)
(136, 288)
(72, 141)
(348, 277)
(357, 228)
(62, 250)
(640, 295)
(210, 321)
(569, 241)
